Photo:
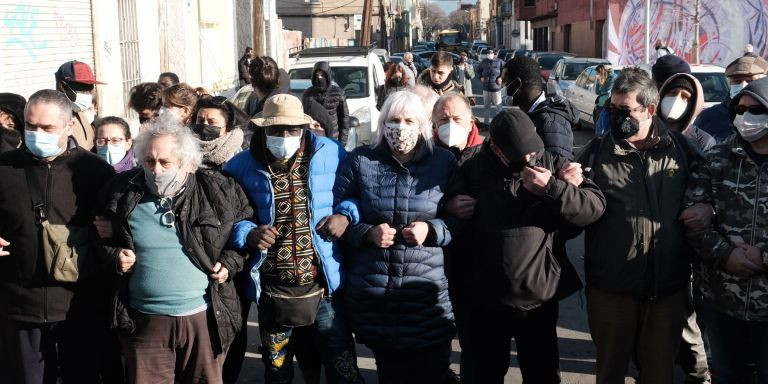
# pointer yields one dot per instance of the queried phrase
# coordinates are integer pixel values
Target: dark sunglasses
(755, 110)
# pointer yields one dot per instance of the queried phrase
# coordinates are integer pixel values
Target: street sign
(515, 33)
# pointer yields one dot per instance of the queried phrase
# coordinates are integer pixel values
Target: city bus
(449, 40)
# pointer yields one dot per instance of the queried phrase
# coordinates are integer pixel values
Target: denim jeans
(328, 340)
(734, 342)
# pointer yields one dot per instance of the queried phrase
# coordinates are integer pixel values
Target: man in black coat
(524, 196)
(552, 114)
(332, 97)
(49, 324)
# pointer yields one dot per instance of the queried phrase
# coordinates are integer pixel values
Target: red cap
(76, 72)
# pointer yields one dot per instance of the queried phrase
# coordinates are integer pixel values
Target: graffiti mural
(727, 26)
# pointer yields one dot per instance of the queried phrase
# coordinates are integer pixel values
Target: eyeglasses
(112, 140)
(755, 110)
(168, 218)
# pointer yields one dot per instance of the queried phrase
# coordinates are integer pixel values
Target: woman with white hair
(397, 293)
(175, 302)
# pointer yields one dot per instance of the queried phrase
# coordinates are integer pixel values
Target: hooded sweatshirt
(334, 100)
(702, 140)
(12, 104)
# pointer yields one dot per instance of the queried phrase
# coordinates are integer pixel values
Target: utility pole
(696, 29)
(258, 28)
(647, 31)
(365, 34)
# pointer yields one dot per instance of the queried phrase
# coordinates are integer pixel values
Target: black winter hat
(513, 131)
(14, 105)
(680, 82)
(668, 65)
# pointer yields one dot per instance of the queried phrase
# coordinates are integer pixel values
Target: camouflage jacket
(737, 188)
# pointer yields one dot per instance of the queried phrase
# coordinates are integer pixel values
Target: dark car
(547, 61)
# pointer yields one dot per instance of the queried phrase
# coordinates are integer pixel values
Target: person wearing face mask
(717, 120)
(512, 285)
(295, 273)
(637, 260)
(11, 121)
(397, 294)
(438, 76)
(76, 80)
(179, 100)
(40, 314)
(146, 99)
(463, 72)
(174, 302)
(114, 143)
(490, 76)
(682, 99)
(734, 268)
(552, 114)
(217, 126)
(395, 80)
(332, 97)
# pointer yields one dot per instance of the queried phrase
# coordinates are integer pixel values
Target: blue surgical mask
(84, 101)
(112, 153)
(283, 147)
(42, 144)
(736, 88)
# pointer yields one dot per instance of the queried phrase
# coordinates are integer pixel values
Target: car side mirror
(354, 122)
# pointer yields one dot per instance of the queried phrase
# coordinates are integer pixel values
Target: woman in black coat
(397, 291)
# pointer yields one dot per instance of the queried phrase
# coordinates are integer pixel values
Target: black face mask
(206, 132)
(10, 138)
(321, 83)
(395, 80)
(623, 126)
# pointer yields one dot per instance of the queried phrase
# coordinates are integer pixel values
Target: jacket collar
(424, 151)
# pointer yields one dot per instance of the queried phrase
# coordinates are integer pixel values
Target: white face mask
(751, 127)
(84, 101)
(673, 107)
(736, 88)
(452, 134)
(401, 137)
(491, 56)
(283, 147)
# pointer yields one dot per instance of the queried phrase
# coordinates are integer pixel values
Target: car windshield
(715, 86)
(573, 70)
(353, 80)
(547, 62)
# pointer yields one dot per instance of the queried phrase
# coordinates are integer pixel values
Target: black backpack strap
(35, 194)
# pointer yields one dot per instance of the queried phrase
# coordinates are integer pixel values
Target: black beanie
(680, 82)
(668, 65)
(14, 105)
(513, 131)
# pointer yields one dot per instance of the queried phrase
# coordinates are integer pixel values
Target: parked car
(568, 69)
(713, 81)
(547, 61)
(359, 72)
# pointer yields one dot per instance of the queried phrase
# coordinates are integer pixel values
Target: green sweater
(164, 280)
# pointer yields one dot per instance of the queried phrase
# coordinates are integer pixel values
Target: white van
(358, 71)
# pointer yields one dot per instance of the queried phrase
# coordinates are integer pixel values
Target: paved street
(576, 348)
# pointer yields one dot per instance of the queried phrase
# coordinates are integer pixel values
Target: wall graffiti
(727, 26)
(21, 23)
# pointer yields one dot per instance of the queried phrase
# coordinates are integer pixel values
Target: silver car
(567, 69)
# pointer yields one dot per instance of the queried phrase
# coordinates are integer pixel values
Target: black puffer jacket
(70, 186)
(205, 214)
(514, 260)
(334, 100)
(554, 119)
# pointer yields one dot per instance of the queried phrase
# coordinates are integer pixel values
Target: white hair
(187, 148)
(427, 95)
(409, 103)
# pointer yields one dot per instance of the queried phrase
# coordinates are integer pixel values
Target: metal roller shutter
(37, 36)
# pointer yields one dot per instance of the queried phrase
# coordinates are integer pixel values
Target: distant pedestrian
(333, 98)
(179, 100)
(167, 79)
(11, 121)
(463, 73)
(395, 80)
(77, 81)
(243, 66)
(410, 68)
(439, 76)
(266, 79)
(146, 99)
(490, 76)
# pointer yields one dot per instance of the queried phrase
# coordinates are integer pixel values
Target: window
(572, 70)
(715, 86)
(353, 80)
(530, 3)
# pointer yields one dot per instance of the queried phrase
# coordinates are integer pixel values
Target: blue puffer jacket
(490, 71)
(253, 176)
(398, 297)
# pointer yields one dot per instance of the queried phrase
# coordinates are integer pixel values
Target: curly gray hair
(187, 148)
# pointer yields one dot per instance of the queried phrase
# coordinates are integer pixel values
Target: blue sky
(449, 5)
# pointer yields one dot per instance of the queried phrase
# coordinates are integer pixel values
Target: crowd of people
(137, 256)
